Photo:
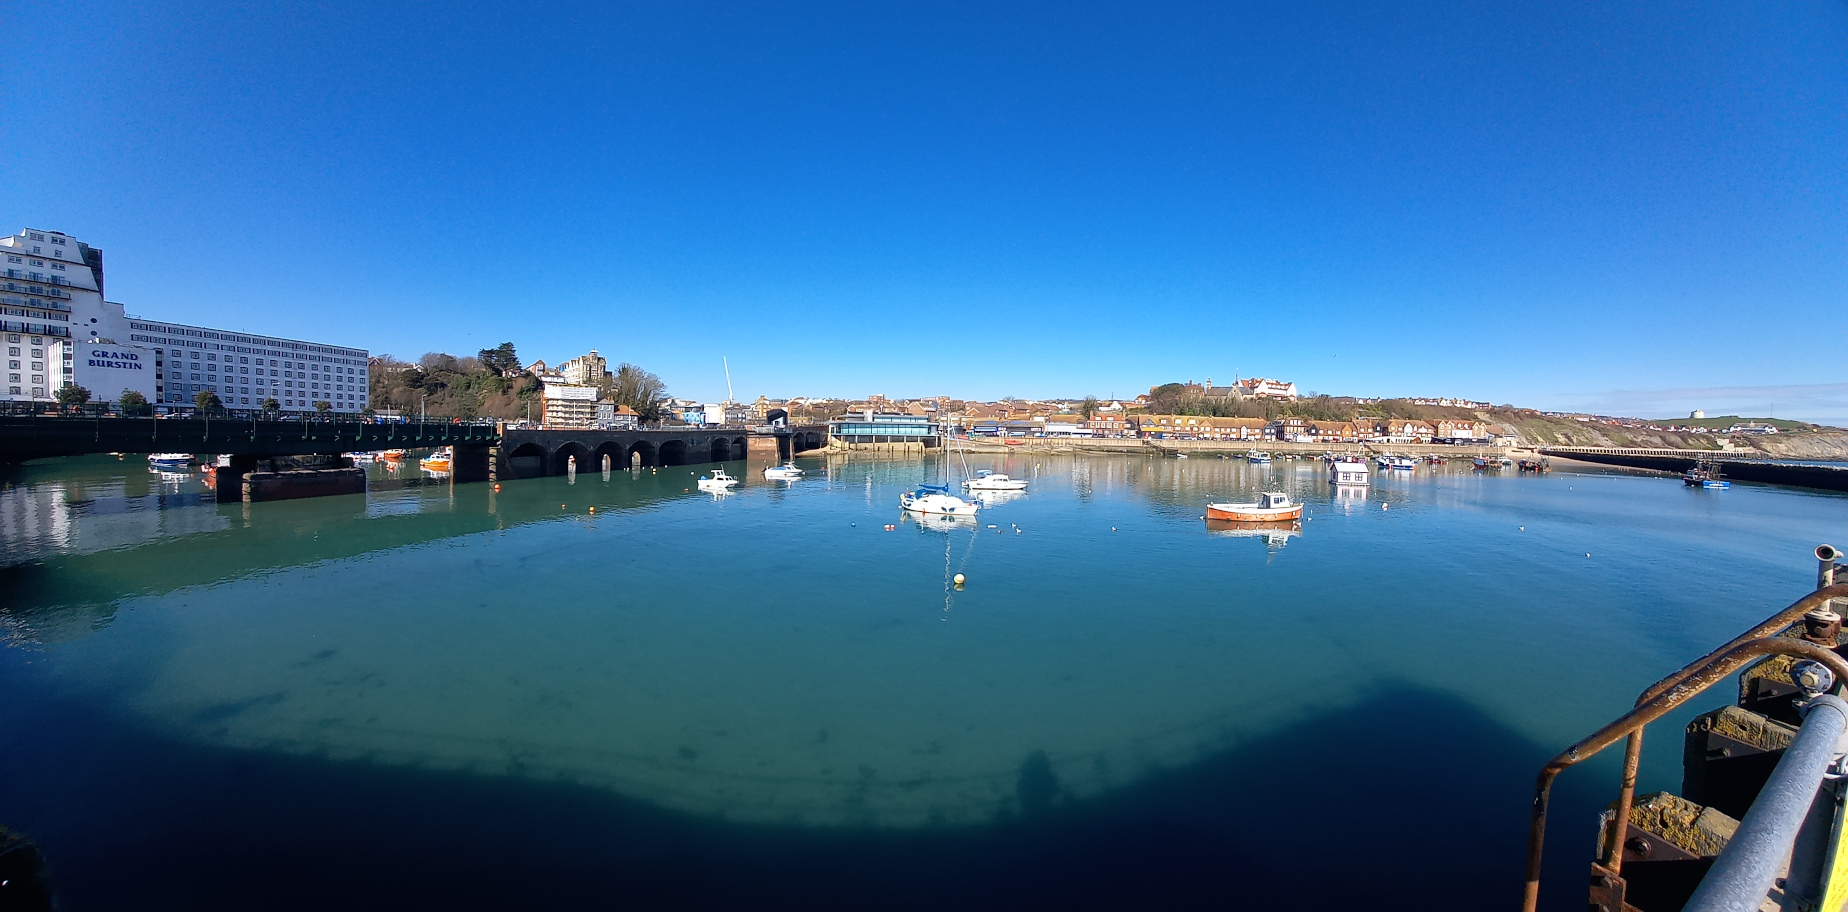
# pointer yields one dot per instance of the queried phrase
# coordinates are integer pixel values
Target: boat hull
(1252, 513)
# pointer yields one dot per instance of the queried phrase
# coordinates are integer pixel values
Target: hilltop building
(586, 370)
(102, 349)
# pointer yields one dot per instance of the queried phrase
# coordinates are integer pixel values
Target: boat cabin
(1273, 501)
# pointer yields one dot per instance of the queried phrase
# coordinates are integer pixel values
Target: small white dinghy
(985, 480)
(935, 500)
(717, 481)
(785, 472)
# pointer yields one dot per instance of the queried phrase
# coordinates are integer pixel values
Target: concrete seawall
(1827, 478)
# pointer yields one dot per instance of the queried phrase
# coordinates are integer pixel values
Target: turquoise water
(499, 697)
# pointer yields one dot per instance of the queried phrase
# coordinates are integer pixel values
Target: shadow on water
(1408, 799)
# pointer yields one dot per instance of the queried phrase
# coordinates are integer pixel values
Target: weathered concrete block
(1726, 756)
(1694, 829)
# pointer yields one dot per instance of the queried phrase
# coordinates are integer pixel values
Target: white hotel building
(104, 350)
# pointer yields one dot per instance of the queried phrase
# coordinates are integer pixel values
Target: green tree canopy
(640, 390)
(207, 401)
(271, 405)
(323, 407)
(133, 403)
(72, 394)
(500, 358)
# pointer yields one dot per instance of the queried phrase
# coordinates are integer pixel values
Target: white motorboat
(985, 480)
(717, 481)
(936, 500)
(362, 458)
(1348, 470)
(1257, 457)
(170, 462)
(1401, 463)
(785, 472)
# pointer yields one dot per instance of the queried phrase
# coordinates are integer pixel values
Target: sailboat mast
(728, 388)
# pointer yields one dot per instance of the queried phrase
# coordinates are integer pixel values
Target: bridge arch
(739, 451)
(812, 441)
(720, 449)
(673, 452)
(528, 460)
(641, 455)
(561, 457)
(618, 454)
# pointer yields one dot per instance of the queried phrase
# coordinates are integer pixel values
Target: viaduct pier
(531, 452)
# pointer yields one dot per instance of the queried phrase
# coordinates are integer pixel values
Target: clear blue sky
(1641, 207)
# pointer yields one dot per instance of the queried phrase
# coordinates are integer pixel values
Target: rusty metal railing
(1659, 699)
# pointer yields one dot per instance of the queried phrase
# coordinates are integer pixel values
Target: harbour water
(462, 698)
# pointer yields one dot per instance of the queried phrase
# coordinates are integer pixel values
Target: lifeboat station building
(870, 427)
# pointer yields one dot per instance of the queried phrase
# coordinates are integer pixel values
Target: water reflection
(785, 659)
(1275, 535)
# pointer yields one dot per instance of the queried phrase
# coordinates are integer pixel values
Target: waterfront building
(569, 405)
(1107, 424)
(1066, 426)
(613, 417)
(169, 363)
(1405, 430)
(871, 426)
(586, 370)
(1200, 427)
(47, 276)
(1466, 430)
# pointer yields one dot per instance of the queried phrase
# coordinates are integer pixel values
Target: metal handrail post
(1743, 873)
(1692, 681)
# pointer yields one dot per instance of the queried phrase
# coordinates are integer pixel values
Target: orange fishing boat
(1271, 507)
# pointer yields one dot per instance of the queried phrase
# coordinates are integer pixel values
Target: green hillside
(1722, 422)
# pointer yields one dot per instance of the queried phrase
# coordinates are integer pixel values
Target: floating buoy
(1384, 506)
(497, 486)
(561, 506)
(1113, 528)
(855, 525)
(1523, 529)
(593, 509)
(991, 525)
(959, 579)
(1588, 554)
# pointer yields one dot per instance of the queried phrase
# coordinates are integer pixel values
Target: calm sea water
(457, 698)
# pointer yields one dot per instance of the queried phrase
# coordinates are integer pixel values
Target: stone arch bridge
(532, 452)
